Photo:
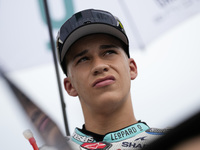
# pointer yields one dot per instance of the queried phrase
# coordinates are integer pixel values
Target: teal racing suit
(133, 137)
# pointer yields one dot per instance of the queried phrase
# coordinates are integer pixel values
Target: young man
(93, 51)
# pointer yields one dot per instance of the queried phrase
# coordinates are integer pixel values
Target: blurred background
(164, 41)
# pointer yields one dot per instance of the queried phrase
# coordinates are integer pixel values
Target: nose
(99, 67)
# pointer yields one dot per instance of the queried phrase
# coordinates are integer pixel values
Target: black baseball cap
(86, 22)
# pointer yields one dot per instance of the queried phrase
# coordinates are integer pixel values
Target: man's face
(99, 72)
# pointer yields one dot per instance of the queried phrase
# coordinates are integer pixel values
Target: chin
(110, 100)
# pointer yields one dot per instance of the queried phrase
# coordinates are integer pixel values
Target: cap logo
(119, 24)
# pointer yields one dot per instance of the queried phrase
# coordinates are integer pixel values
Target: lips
(103, 81)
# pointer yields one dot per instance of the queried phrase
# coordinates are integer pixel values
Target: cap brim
(92, 29)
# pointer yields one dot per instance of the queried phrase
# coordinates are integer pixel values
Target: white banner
(24, 33)
(154, 17)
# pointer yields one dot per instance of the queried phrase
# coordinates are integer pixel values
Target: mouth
(101, 82)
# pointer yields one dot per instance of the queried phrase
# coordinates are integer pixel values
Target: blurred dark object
(182, 135)
(45, 126)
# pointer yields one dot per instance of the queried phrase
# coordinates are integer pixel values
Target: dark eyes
(104, 54)
(108, 52)
(82, 59)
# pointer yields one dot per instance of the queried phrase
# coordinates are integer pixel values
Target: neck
(104, 122)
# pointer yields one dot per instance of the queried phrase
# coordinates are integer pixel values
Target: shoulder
(157, 131)
(152, 134)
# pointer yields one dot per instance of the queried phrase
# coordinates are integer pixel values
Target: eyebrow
(80, 54)
(107, 46)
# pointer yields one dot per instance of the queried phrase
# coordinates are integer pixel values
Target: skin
(106, 106)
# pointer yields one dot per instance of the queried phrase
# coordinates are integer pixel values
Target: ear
(69, 88)
(133, 68)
